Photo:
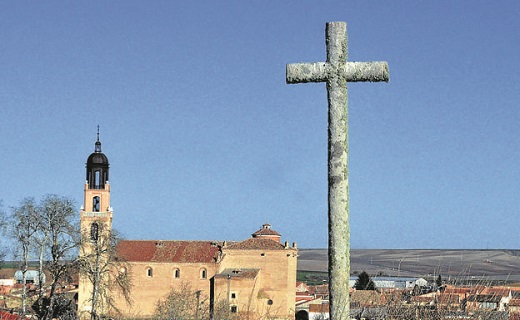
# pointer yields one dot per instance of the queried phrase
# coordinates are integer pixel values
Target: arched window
(203, 273)
(176, 273)
(94, 231)
(96, 203)
(149, 272)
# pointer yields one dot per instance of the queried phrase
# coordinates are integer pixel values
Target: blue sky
(206, 141)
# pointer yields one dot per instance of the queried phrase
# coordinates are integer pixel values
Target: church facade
(252, 279)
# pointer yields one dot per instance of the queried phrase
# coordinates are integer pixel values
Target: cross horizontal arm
(306, 72)
(374, 71)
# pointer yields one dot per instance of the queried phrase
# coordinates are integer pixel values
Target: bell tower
(97, 187)
(96, 225)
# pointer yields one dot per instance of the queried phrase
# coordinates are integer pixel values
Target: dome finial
(98, 143)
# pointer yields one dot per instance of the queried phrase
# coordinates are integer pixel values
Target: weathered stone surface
(374, 71)
(336, 72)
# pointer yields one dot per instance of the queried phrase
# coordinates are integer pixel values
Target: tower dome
(97, 167)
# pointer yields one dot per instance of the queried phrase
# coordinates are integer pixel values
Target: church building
(253, 279)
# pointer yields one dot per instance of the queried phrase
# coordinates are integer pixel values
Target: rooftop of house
(319, 308)
(458, 290)
(423, 298)
(501, 291)
(301, 286)
(484, 298)
(366, 297)
(447, 298)
(4, 315)
(514, 303)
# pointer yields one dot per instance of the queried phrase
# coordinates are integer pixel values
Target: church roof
(256, 243)
(168, 251)
(97, 158)
(266, 231)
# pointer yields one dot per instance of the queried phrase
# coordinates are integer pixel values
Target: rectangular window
(233, 295)
(234, 309)
(97, 181)
(96, 204)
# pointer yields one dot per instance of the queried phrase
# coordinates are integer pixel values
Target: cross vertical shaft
(339, 231)
(336, 72)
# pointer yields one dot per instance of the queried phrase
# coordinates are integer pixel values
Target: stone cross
(336, 72)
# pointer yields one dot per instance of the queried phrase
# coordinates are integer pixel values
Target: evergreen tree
(364, 282)
(439, 281)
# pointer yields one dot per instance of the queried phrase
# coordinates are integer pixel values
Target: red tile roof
(266, 231)
(448, 298)
(423, 298)
(502, 291)
(458, 290)
(256, 243)
(484, 298)
(168, 251)
(321, 308)
(301, 287)
(4, 315)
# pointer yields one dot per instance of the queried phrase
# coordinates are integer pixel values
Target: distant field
(490, 264)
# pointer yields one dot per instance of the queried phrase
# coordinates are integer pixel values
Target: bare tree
(183, 302)
(40, 239)
(3, 253)
(186, 303)
(3, 224)
(105, 270)
(48, 230)
(23, 224)
(59, 237)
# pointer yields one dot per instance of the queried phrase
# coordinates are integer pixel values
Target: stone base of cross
(336, 72)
